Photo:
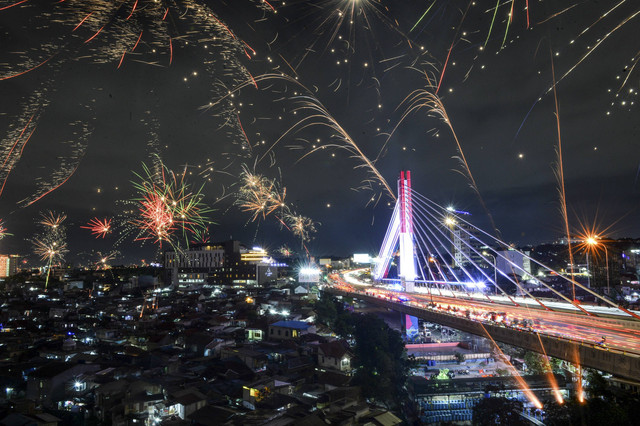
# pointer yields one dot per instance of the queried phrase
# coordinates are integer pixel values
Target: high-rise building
(8, 265)
(467, 248)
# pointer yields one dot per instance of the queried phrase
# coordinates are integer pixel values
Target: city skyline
(101, 97)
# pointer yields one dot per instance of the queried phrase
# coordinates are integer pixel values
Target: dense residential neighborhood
(114, 347)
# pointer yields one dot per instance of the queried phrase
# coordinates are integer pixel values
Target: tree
(592, 412)
(381, 363)
(603, 407)
(536, 363)
(326, 312)
(498, 411)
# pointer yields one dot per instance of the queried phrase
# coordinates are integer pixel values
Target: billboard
(361, 258)
(266, 273)
(309, 275)
(410, 325)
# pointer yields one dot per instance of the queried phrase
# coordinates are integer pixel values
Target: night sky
(208, 87)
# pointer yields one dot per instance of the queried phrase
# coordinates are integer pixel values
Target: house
(255, 360)
(187, 402)
(198, 343)
(259, 391)
(133, 399)
(51, 382)
(288, 330)
(300, 290)
(334, 355)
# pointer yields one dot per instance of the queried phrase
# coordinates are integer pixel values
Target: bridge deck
(621, 363)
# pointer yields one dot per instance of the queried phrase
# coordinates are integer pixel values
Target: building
(224, 263)
(288, 330)
(8, 265)
(334, 355)
(511, 262)
(466, 246)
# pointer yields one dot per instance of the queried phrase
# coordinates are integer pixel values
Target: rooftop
(298, 325)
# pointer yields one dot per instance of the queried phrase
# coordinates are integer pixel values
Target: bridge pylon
(400, 235)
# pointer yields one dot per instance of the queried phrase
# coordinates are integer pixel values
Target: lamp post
(588, 272)
(606, 258)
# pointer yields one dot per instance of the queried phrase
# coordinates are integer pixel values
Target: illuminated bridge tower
(400, 234)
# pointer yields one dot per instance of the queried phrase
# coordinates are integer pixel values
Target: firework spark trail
(78, 144)
(595, 47)
(319, 116)
(515, 373)
(13, 147)
(422, 17)
(12, 5)
(427, 99)
(20, 73)
(50, 250)
(559, 172)
(115, 30)
(455, 38)
(557, 14)
(82, 22)
(506, 31)
(351, 28)
(549, 370)
(6, 169)
(495, 12)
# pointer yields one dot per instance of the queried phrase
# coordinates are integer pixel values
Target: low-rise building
(288, 330)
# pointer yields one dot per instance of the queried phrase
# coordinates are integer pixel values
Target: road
(621, 334)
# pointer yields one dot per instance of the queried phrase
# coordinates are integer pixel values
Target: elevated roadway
(573, 337)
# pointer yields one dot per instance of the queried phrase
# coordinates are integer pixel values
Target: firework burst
(51, 244)
(105, 258)
(260, 195)
(98, 227)
(301, 226)
(3, 230)
(285, 251)
(50, 250)
(51, 219)
(168, 207)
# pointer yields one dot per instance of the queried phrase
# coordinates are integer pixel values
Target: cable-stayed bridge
(435, 264)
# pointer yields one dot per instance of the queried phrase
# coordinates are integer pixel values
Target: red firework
(156, 217)
(3, 230)
(99, 228)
